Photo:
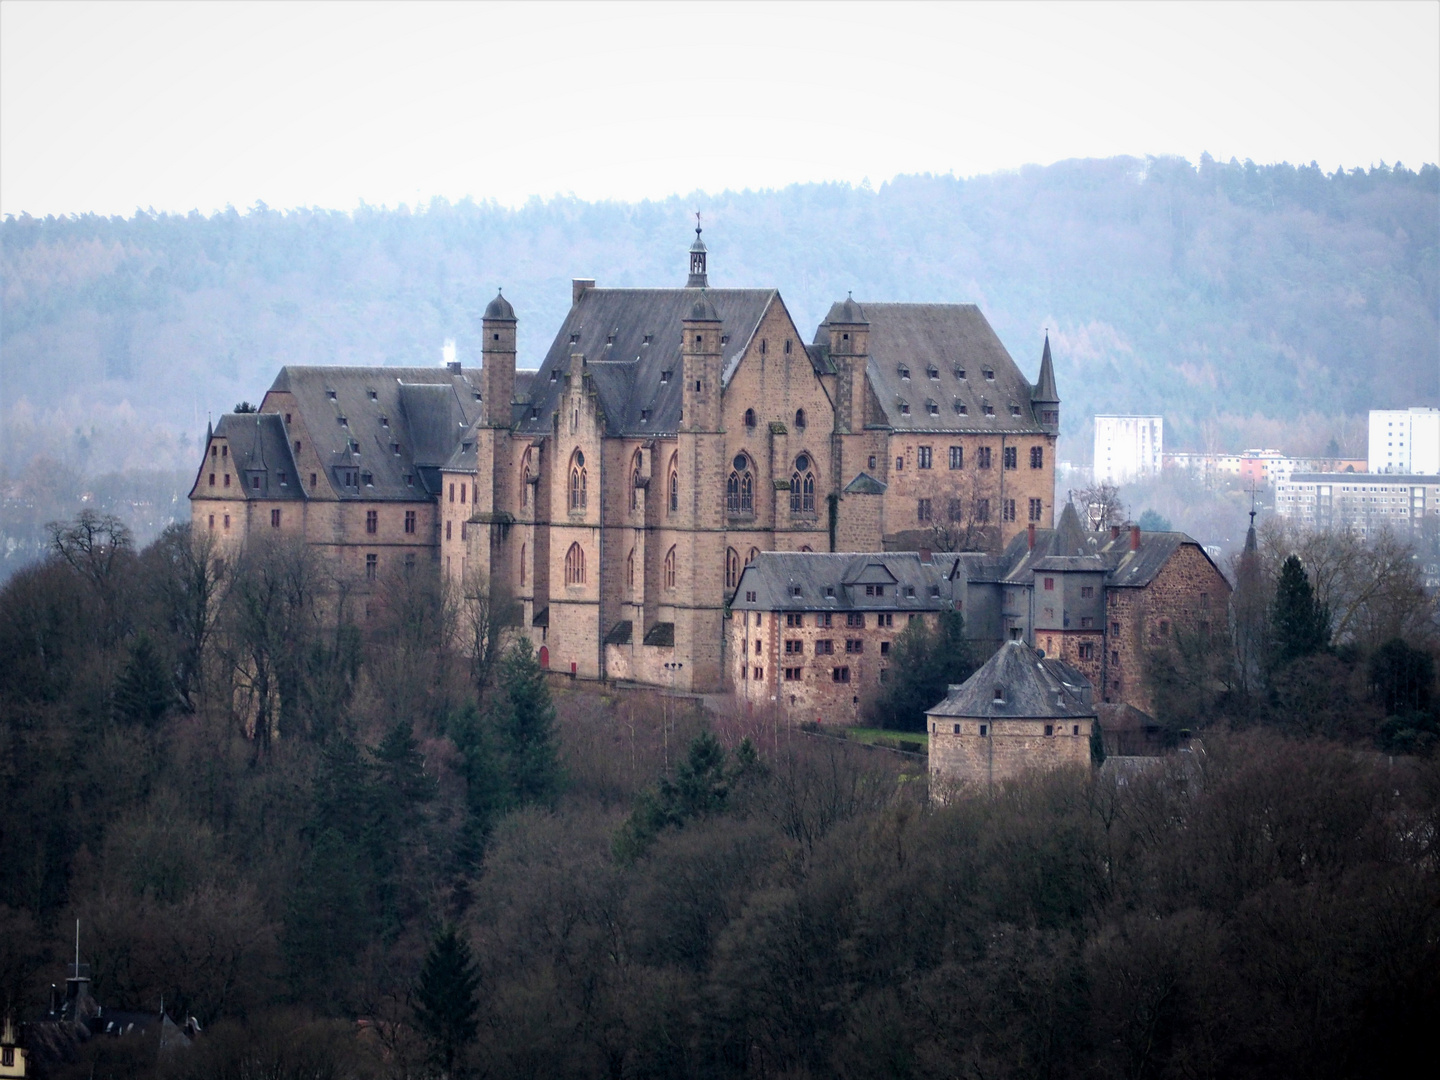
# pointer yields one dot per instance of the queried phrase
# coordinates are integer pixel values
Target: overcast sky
(109, 107)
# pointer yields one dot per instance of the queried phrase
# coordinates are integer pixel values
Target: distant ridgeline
(1200, 292)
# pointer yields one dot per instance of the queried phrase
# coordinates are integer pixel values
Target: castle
(669, 437)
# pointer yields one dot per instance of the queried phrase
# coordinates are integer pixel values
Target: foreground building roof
(1019, 682)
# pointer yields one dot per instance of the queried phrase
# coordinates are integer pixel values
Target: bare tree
(968, 519)
(1099, 505)
(487, 611)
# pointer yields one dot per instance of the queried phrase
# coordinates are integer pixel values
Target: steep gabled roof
(1030, 687)
(629, 338)
(948, 337)
(1072, 547)
(259, 450)
(423, 411)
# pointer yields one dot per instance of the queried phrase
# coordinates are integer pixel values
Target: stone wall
(1008, 749)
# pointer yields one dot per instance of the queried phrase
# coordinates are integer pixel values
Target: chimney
(1114, 532)
(578, 286)
(1030, 536)
(453, 366)
(1134, 537)
(925, 555)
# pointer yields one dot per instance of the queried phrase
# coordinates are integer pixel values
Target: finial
(697, 223)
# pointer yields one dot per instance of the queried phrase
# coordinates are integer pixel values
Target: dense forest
(1219, 294)
(351, 846)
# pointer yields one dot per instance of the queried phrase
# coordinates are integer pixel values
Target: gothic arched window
(740, 487)
(578, 481)
(802, 486)
(674, 489)
(575, 565)
(732, 568)
(635, 481)
(754, 554)
(670, 569)
(630, 569)
(800, 419)
(525, 480)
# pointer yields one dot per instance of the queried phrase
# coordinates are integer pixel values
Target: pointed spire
(1045, 385)
(699, 277)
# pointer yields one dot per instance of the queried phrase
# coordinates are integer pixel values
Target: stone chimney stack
(1030, 536)
(577, 288)
(1134, 537)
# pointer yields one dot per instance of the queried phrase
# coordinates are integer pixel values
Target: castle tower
(702, 366)
(497, 378)
(1045, 399)
(850, 349)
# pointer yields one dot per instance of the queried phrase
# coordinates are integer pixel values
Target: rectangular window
(1087, 592)
(794, 619)
(1049, 729)
(410, 521)
(1035, 508)
(984, 729)
(854, 645)
(759, 674)
(855, 619)
(758, 648)
(982, 457)
(212, 479)
(957, 457)
(885, 618)
(372, 567)
(899, 464)
(982, 510)
(1012, 456)
(822, 619)
(840, 674)
(884, 648)
(1049, 584)
(1114, 628)
(312, 481)
(452, 492)
(794, 647)
(227, 521)
(227, 480)
(1009, 509)
(792, 674)
(255, 483)
(274, 519)
(923, 512)
(1087, 650)
(923, 457)
(824, 647)
(1037, 457)
(1087, 623)
(372, 521)
(1114, 656)
(750, 598)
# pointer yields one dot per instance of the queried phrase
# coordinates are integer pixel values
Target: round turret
(500, 309)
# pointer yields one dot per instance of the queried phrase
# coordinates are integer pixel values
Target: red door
(545, 656)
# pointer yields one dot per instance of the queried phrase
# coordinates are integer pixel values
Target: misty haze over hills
(1242, 302)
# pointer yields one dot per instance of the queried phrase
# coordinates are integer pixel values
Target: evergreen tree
(525, 730)
(487, 793)
(144, 690)
(403, 786)
(924, 662)
(446, 1009)
(701, 788)
(1299, 624)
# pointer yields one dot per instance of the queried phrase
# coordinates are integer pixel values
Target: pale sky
(109, 107)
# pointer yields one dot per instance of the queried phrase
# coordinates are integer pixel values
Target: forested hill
(1207, 293)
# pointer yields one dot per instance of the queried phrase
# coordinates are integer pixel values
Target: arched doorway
(545, 657)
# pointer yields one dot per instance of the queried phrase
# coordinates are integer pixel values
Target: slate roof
(423, 411)
(947, 337)
(610, 327)
(258, 445)
(1033, 688)
(775, 575)
(1070, 546)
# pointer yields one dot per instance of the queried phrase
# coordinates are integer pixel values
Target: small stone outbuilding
(1020, 711)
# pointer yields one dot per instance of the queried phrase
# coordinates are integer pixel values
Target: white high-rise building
(1128, 448)
(1405, 441)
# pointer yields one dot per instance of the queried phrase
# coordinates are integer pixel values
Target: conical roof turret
(1045, 385)
(499, 309)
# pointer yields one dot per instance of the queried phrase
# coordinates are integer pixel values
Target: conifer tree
(525, 730)
(1299, 624)
(446, 1009)
(143, 691)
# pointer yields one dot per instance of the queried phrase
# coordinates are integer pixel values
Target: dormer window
(555, 375)
(342, 421)
(933, 407)
(644, 416)
(534, 413)
(724, 339)
(665, 377)
(910, 591)
(960, 373)
(989, 374)
(609, 339)
(999, 698)
(647, 339)
(989, 410)
(384, 421)
(933, 372)
(904, 372)
(961, 409)
(368, 479)
(330, 394)
(1014, 409)
(374, 396)
(574, 338)
(477, 395)
(395, 448)
(354, 447)
(904, 408)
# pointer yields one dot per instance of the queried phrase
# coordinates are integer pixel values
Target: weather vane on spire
(697, 222)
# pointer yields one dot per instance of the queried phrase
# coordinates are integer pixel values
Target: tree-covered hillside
(1214, 294)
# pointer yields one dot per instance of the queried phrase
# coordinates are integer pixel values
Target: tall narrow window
(522, 563)
(578, 481)
(525, 480)
(749, 418)
(575, 565)
(630, 569)
(674, 484)
(1037, 457)
(372, 521)
(754, 554)
(670, 570)
(740, 487)
(957, 457)
(800, 419)
(802, 486)
(635, 464)
(732, 568)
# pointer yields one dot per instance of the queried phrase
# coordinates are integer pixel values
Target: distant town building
(1128, 448)
(1368, 503)
(1405, 441)
(811, 633)
(1259, 466)
(1020, 711)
